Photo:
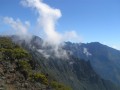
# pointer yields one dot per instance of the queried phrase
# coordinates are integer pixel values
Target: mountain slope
(104, 60)
(17, 71)
(74, 72)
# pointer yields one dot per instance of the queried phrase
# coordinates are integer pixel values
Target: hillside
(17, 70)
(104, 60)
(74, 72)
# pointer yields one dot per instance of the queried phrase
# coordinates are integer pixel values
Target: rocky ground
(10, 79)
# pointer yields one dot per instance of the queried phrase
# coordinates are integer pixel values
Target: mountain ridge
(100, 56)
(18, 70)
(78, 49)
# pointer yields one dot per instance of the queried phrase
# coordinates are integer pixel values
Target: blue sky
(93, 20)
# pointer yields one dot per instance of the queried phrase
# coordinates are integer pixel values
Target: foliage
(16, 53)
(24, 65)
(38, 77)
(19, 53)
(9, 51)
(6, 43)
(25, 68)
(59, 86)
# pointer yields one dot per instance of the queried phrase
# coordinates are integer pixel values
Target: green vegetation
(25, 68)
(6, 43)
(59, 86)
(38, 77)
(12, 53)
(19, 53)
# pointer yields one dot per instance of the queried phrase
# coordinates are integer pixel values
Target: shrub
(19, 53)
(38, 77)
(59, 86)
(6, 43)
(25, 68)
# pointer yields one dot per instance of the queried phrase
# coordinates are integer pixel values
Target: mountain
(79, 70)
(18, 70)
(104, 60)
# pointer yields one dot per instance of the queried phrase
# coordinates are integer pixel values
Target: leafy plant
(25, 68)
(40, 78)
(59, 86)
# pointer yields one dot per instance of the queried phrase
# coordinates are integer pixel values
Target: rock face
(11, 79)
(19, 71)
(15, 68)
(104, 60)
(74, 72)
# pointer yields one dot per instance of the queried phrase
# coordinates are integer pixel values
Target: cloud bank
(47, 19)
(18, 26)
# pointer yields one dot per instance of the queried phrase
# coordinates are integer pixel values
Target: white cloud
(85, 51)
(70, 36)
(17, 25)
(116, 47)
(47, 18)
(20, 28)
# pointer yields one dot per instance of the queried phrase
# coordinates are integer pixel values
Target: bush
(19, 53)
(24, 65)
(38, 77)
(25, 68)
(59, 86)
(11, 51)
(6, 43)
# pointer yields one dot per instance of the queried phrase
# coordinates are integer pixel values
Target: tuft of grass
(38, 77)
(59, 86)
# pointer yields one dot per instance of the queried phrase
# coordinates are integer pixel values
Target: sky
(91, 20)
